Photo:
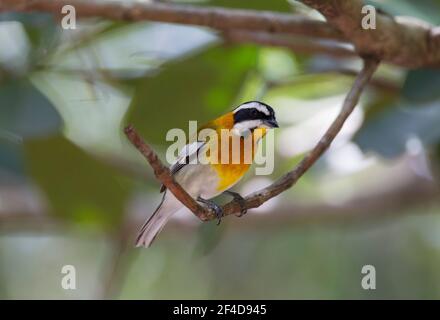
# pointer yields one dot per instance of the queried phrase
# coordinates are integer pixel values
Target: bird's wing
(189, 151)
(186, 155)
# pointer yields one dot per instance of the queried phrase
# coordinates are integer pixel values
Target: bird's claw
(214, 207)
(241, 201)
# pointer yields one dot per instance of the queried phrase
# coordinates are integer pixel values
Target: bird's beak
(272, 123)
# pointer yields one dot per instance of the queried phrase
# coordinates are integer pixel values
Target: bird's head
(253, 115)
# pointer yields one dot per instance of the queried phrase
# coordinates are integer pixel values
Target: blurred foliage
(92, 193)
(426, 10)
(66, 95)
(25, 111)
(390, 131)
(274, 5)
(214, 79)
(414, 116)
(11, 159)
(291, 262)
(422, 85)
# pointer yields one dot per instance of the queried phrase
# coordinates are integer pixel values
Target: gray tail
(157, 220)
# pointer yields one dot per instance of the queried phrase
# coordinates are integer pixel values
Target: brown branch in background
(163, 174)
(381, 83)
(296, 44)
(288, 180)
(404, 197)
(405, 41)
(216, 18)
(116, 266)
(400, 41)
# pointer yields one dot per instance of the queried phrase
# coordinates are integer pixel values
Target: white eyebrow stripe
(247, 125)
(255, 105)
(263, 109)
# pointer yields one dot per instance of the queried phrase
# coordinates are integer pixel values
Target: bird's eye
(254, 112)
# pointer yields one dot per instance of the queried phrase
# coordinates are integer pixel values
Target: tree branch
(400, 199)
(163, 174)
(403, 41)
(216, 18)
(296, 44)
(288, 180)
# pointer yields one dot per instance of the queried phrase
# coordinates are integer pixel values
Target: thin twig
(163, 174)
(296, 44)
(288, 180)
(256, 199)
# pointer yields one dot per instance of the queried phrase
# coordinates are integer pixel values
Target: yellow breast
(231, 172)
(239, 157)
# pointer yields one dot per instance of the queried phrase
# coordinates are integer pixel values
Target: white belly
(199, 181)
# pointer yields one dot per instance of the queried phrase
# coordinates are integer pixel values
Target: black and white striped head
(254, 114)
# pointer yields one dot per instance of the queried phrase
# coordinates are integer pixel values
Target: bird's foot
(214, 207)
(241, 201)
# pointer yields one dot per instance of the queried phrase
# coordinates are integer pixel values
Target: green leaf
(199, 88)
(422, 85)
(11, 157)
(25, 112)
(41, 29)
(310, 87)
(276, 63)
(209, 235)
(79, 187)
(273, 5)
(388, 132)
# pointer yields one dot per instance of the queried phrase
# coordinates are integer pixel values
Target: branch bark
(296, 44)
(163, 174)
(216, 18)
(403, 41)
(287, 181)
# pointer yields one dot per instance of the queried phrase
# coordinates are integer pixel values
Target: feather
(151, 228)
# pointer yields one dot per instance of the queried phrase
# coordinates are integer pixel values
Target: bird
(204, 180)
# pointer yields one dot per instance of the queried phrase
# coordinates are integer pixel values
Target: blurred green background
(74, 192)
